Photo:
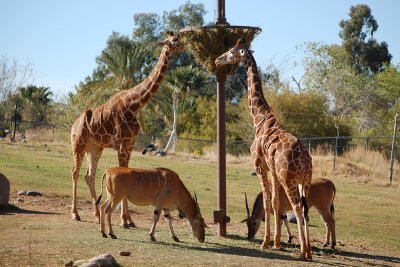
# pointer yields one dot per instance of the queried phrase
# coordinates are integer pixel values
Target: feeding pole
(206, 44)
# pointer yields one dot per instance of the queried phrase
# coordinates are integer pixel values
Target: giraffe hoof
(132, 224)
(264, 246)
(176, 239)
(153, 239)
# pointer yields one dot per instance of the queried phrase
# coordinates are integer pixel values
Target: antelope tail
(101, 191)
(332, 209)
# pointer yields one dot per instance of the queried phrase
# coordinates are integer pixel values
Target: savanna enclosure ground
(38, 231)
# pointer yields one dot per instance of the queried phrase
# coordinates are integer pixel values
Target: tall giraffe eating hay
(276, 151)
(114, 125)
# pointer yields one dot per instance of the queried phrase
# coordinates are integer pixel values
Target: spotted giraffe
(114, 125)
(276, 151)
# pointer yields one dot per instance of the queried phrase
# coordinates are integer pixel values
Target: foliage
(367, 55)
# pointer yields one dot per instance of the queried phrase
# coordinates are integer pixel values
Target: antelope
(322, 194)
(159, 187)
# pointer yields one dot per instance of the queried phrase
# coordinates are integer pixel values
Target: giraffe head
(234, 55)
(172, 42)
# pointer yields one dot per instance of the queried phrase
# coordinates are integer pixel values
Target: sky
(61, 39)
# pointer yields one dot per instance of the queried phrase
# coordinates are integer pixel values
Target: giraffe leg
(78, 157)
(93, 155)
(305, 193)
(262, 173)
(275, 205)
(294, 198)
(124, 154)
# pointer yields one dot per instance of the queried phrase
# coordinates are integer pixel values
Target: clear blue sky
(62, 38)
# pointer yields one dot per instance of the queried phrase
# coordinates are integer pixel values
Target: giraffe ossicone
(274, 151)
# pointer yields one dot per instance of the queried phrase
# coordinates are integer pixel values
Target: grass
(40, 232)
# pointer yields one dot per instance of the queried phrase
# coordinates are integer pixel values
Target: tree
(367, 55)
(34, 104)
(182, 82)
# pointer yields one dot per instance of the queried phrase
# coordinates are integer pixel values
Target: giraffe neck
(259, 108)
(151, 83)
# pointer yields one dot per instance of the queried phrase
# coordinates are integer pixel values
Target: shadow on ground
(12, 210)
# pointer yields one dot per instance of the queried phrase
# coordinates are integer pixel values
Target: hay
(208, 43)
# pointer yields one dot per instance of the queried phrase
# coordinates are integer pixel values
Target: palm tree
(35, 102)
(182, 82)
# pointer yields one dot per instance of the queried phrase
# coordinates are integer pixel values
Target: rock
(68, 263)
(124, 253)
(291, 217)
(33, 193)
(79, 262)
(4, 190)
(104, 260)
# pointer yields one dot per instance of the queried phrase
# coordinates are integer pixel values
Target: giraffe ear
(251, 51)
(161, 43)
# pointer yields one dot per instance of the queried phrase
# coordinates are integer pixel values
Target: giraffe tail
(101, 191)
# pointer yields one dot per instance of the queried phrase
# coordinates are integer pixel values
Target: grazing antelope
(159, 187)
(322, 194)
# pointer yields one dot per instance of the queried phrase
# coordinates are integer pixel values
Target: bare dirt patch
(38, 231)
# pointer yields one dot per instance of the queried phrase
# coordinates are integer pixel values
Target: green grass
(366, 216)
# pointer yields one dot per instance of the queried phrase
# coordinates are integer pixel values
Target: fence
(328, 145)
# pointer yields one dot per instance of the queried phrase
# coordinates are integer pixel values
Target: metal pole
(221, 78)
(393, 154)
(220, 12)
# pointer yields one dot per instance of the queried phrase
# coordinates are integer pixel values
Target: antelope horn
(247, 206)
(195, 196)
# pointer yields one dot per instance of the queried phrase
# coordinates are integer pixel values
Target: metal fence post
(393, 154)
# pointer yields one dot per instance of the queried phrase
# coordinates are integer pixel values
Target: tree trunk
(172, 138)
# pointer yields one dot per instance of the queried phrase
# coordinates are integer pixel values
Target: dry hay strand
(208, 43)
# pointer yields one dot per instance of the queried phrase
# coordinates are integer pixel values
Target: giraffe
(276, 151)
(114, 125)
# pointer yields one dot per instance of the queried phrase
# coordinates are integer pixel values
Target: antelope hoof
(277, 246)
(76, 218)
(290, 239)
(113, 236)
(132, 224)
(333, 245)
(308, 255)
(153, 239)
(325, 245)
(176, 239)
(104, 235)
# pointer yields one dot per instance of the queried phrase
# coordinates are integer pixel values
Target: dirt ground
(38, 231)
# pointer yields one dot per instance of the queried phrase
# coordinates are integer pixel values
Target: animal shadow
(12, 210)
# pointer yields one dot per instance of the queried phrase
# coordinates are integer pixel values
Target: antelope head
(197, 224)
(254, 220)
